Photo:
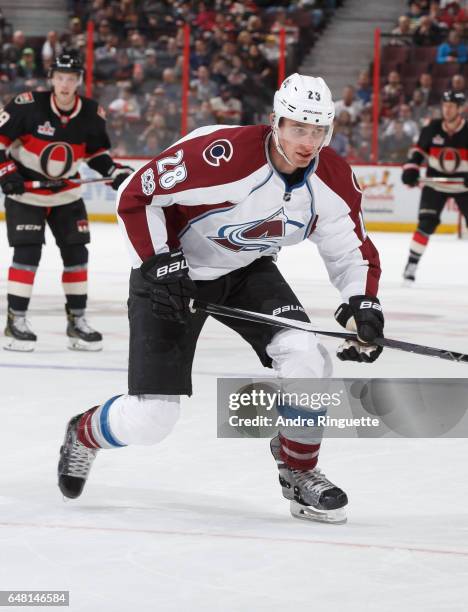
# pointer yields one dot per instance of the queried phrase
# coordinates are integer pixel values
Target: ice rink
(198, 523)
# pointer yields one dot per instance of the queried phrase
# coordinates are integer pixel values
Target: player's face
(301, 142)
(65, 85)
(450, 111)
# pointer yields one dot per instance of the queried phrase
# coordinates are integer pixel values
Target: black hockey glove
(118, 174)
(364, 315)
(410, 177)
(13, 184)
(171, 287)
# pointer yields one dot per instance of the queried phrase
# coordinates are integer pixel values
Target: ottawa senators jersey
(446, 154)
(217, 195)
(41, 142)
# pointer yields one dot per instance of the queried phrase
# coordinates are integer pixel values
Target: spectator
(150, 74)
(394, 148)
(105, 59)
(203, 86)
(74, 35)
(27, 67)
(402, 32)
(205, 20)
(283, 21)
(204, 115)
(454, 50)
(362, 141)
(270, 49)
(414, 14)
(12, 51)
(125, 105)
(136, 49)
(419, 109)
(458, 84)
(102, 34)
(392, 94)
(168, 54)
(226, 108)
(169, 85)
(410, 126)
(344, 123)
(425, 87)
(50, 50)
(364, 89)
(199, 56)
(452, 13)
(350, 103)
(339, 141)
(428, 33)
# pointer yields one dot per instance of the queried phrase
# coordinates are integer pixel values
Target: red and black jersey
(41, 142)
(446, 153)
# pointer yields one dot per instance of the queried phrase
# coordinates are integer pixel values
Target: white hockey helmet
(306, 99)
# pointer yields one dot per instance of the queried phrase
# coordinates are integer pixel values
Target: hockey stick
(62, 182)
(256, 317)
(440, 180)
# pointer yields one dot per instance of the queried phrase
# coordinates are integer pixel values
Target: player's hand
(170, 286)
(119, 174)
(410, 176)
(13, 184)
(363, 315)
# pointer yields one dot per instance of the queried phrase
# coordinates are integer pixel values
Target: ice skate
(18, 333)
(75, 462)
(82, 337)
(409, 274)
(313, 497)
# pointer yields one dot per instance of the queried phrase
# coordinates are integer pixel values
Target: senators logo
(449, 160)
(56, 159)
(218, 151)
(257, 235)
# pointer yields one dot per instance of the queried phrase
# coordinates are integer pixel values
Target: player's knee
(144, 419)
(74, 254)
(428, 223)
(299, 354)
(27, 254)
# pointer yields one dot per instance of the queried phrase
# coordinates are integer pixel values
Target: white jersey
(217, 195)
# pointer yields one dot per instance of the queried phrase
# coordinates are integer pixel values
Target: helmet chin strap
(279, 148)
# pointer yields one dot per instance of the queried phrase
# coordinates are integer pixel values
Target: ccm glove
(13, 184)
(170, 286)
(118, 175)
(364, 315)
(410, 177)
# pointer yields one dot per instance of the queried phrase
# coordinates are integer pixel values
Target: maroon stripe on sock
(85, 431)
(293, 458)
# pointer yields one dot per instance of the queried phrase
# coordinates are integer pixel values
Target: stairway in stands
(36, 18)
(347, 45)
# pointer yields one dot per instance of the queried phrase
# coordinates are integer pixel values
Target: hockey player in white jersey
(206, 219)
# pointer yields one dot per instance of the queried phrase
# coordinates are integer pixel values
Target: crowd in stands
(138, 61)
(423, 56)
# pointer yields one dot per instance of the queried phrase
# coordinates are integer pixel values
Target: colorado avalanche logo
(449, 160)
(218, 150)
(257, 235)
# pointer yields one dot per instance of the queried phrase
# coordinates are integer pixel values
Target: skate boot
(81, 337)
(18, 333)
(409, 274)
(313, 497)
(75, 461)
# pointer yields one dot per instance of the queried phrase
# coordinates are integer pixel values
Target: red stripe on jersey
(5, 140)
(420, 238)
(21, 276)
(79, 276)
(36, 145)
(337, 174)
(463, 153)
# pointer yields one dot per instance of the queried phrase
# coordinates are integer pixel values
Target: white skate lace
(82, 324)
(22, 324)
(80, 460)
(312, 480)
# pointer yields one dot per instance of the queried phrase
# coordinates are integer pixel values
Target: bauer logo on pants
(82, 226)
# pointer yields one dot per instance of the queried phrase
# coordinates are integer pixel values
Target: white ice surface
(199, 523)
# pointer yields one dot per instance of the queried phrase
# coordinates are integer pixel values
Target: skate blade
(20, 346)
(307, 513)
(77, 344)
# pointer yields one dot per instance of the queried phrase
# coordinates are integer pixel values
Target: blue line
(104, 422)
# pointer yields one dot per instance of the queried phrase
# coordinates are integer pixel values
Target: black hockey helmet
(458, 97)
(69, 61)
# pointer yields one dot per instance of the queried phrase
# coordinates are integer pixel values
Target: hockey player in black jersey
(45, 136)
(443, 145)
